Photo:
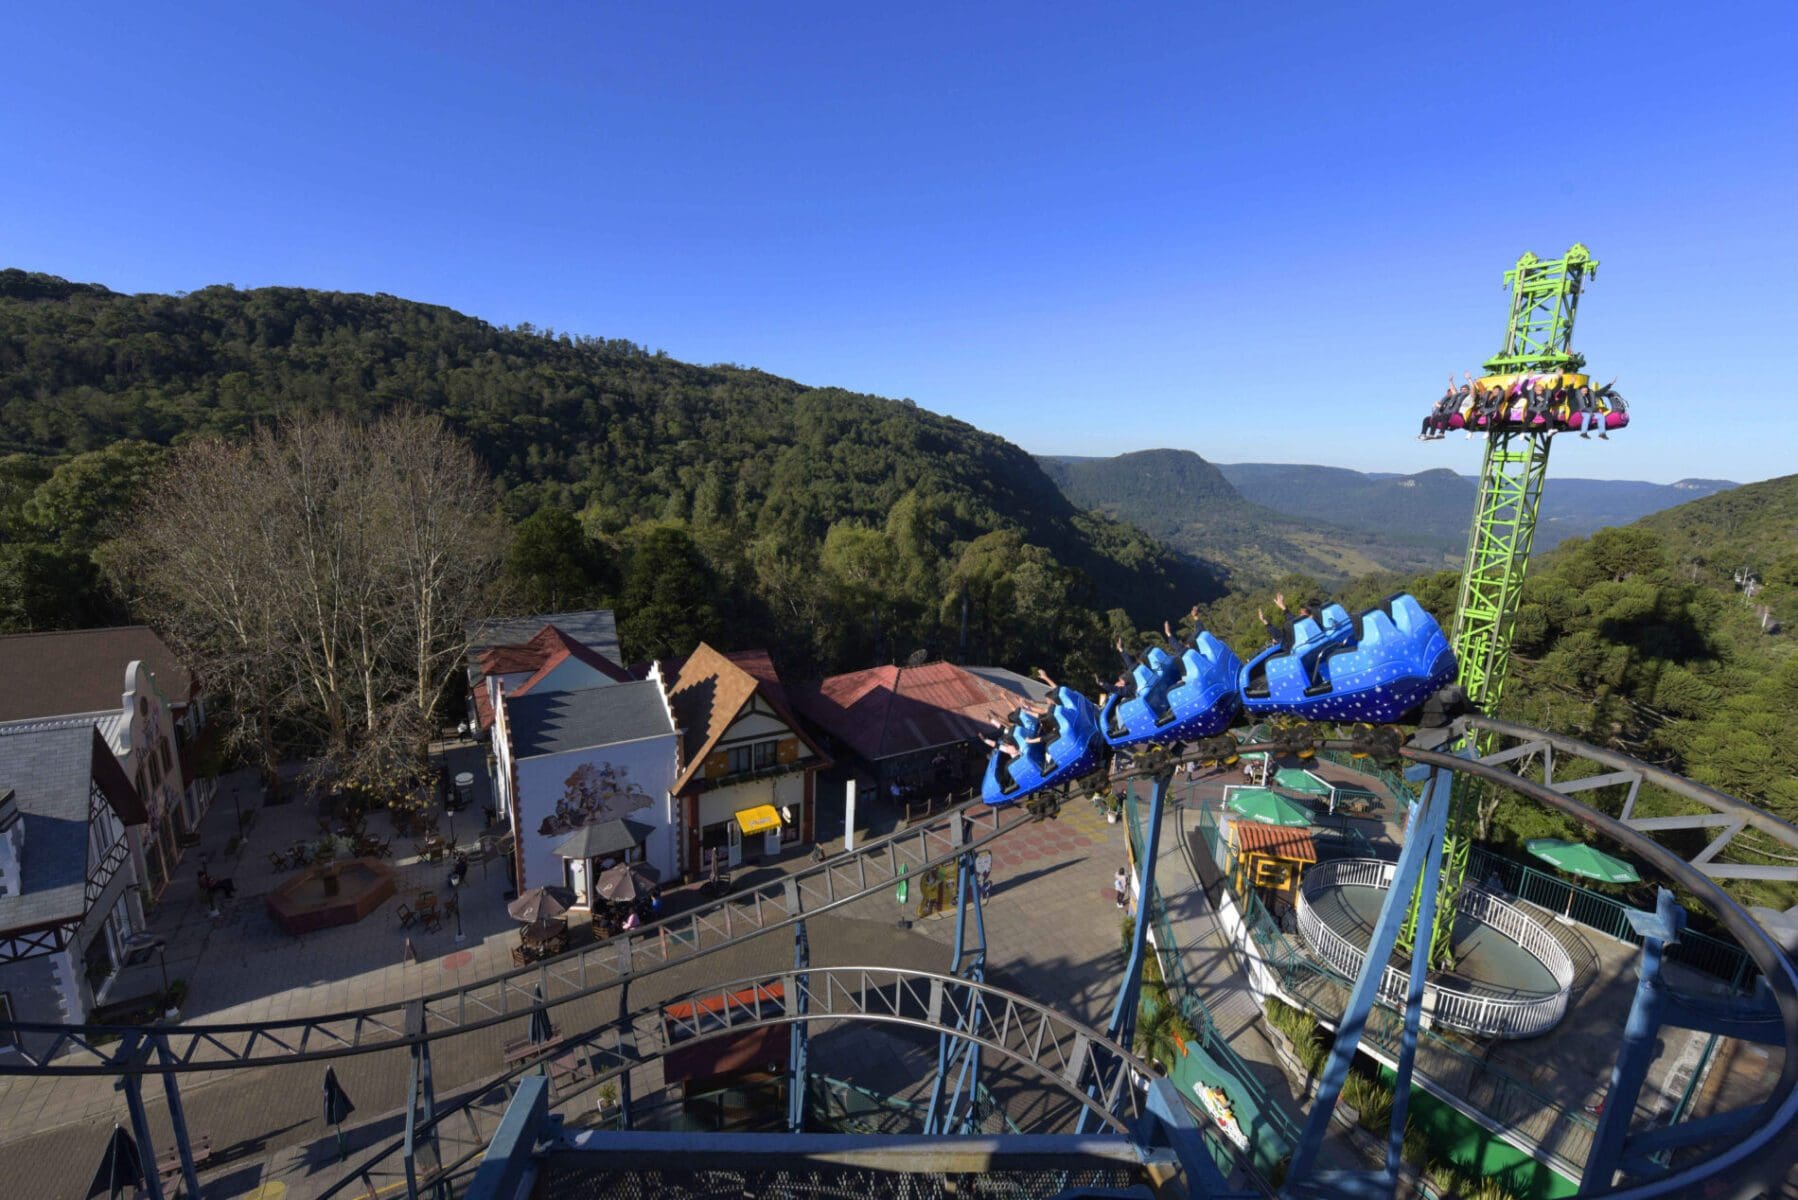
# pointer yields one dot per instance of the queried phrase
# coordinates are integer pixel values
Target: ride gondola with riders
(1374, 668)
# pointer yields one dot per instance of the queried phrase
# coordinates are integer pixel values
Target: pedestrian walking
(1121, 887)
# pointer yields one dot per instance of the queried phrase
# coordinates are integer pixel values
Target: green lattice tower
(1538, 338)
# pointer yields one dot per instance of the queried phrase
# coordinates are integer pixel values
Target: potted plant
(172, 1002)
(607, 1097)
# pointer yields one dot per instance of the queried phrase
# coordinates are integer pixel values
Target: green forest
(841, 530)
(832, 528)
(1641, 639)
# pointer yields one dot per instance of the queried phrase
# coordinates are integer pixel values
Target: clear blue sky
(1259, 232)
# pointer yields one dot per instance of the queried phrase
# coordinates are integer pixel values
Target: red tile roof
(888, 711)
(548, 649)
(1276, 841)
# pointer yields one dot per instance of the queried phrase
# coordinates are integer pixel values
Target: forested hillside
(1189, 503)
(1640, 638)
(708, 501)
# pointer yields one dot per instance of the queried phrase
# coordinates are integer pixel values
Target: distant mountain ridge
(1192, 505)
(1333, 522)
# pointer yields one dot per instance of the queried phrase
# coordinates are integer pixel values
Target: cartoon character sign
(593, 794)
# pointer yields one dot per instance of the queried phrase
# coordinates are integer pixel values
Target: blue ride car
(1074, 752)
(1375, 667)
(1193, 696)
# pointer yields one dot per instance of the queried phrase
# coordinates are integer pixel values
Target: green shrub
(1482, 1187)
(1369, 1097)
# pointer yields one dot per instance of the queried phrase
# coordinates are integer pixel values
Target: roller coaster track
(1062, 1052)
(574, 976)
(1767, 1134)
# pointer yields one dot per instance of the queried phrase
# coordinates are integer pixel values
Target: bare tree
(321, 576)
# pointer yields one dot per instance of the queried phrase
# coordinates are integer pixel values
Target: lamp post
(456, 891)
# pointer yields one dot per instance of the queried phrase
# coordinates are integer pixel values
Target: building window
(755, 757)
(9, 1038)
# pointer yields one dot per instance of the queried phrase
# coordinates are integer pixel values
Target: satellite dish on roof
(918, 657)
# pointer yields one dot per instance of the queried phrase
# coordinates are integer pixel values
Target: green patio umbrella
(1581, 859)
(1269, 808)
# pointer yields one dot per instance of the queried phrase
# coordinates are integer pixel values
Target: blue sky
(1264, 233)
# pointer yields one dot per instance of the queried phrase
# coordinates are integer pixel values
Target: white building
(70, 844)
(567, 760)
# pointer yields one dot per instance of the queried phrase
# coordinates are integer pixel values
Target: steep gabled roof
(710, 689)
(51, 770)
(557, 722)
(83, 671)
(887, 711)
(547, 649)
(593, 628)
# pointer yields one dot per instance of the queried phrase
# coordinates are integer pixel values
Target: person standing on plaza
(1121, 887)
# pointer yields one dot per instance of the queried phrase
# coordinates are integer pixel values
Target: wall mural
(593, 794)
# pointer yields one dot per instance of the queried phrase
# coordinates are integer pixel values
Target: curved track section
(1082, 1063)
(1759, 1140)
(581, 973)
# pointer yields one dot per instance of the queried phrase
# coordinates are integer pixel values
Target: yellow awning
(759, 819)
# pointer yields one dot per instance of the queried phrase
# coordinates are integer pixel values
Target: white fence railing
(1470, 1012)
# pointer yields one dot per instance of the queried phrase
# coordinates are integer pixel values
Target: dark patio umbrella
(627, 882)
(121, 1170)
(337, 1107)
(541, 1030)
(541, 904)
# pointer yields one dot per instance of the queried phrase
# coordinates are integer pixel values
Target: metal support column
(1658, 929)
(190, 1176)
(799, 1050)
(1423, 839)
(420, 1096)
(1122, 1026)
(1545, 298)
(627, 1047)
(132, 1084)
(951, 1108)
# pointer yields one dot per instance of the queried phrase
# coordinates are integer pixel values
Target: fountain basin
(327, 894)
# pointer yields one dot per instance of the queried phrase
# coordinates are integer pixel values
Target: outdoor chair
(407, 916)
(430, 920)
(277, 860)
(452, 907)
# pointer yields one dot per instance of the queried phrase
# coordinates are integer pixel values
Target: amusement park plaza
(1234, 928)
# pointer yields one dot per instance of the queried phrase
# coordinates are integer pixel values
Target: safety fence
(1718, 958)
(1267, 1122)
(1453, 1069)
(1721, 960)
(1470, 1011)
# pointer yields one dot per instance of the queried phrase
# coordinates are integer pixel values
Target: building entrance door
(736, 844)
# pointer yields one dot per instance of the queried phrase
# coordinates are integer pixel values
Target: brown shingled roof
(708, 689)
(83, 671)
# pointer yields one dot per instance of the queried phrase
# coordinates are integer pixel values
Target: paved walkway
(1052, 933)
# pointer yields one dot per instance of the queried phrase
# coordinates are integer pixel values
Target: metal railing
(1468, 1011)
(1181, 986)
(1695, 950)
